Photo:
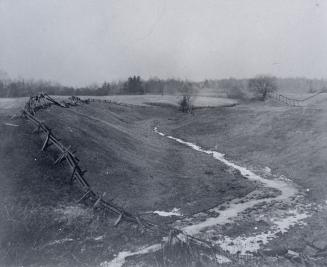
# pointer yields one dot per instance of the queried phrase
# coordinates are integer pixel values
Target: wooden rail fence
(44, 101)
(290, 101)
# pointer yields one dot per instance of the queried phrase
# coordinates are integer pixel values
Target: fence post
(46, 141)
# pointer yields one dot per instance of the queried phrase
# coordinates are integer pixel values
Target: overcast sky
(78, 42)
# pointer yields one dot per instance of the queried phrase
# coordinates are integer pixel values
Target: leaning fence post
(37, 129)
(62, 156)
(97, 202)
(119, 219)
(46, 142)
(72, 178)
(84, 196)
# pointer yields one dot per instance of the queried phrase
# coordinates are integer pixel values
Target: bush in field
(262, 85)
(185, 104)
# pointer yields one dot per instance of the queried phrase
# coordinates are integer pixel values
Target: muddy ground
(41, 224)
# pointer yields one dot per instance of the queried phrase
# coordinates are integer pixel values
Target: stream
(272, 209)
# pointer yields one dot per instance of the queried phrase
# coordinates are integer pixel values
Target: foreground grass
(42, 225)
(40, 222)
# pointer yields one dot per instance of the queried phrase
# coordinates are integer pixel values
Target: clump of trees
(262, 85)
(134, 86)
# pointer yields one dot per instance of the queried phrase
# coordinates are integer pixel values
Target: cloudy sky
(78, 42)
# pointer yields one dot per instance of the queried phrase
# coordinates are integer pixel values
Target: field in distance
(172, 100)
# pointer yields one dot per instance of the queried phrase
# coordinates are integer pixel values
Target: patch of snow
(98, 238)
(224, 217)
(11, 124)
(222, 259)
(120, 259)
(246, 244)
(173, 212)
(293, 253)
(70, 213)
(61, 241)
(267, 170)
(284, 224)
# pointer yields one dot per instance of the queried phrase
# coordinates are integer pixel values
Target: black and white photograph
(163, 133)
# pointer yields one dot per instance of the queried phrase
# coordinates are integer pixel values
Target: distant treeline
(135, 85)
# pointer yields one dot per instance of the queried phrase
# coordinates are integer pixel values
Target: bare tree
(185, 104)
(262, 85)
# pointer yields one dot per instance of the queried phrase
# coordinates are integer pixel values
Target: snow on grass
(239, 244)
(11, 124)
(120, 259)
(173, 212)
(267, 170)
(222, 259)
(71, 213)
(252, 243)
(247, 244)
(61, 241)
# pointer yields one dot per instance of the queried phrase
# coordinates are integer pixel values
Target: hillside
(123, 157)
(264, 196)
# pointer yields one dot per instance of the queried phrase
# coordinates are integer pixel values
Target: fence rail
(65, 154)
(290, 101)
(44, 101)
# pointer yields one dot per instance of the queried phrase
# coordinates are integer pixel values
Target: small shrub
(185, 104)
(262, 85)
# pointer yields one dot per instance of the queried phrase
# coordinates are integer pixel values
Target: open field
(264, 196)
(12, 105)
(143, 100)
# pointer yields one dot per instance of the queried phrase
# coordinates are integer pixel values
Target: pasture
(247, 178)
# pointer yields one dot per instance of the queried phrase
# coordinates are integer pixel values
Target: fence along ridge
(290, 101)
(43, 101)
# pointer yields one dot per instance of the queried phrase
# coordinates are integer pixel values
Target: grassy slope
(41, 224)
(141, 170)
(291, 141)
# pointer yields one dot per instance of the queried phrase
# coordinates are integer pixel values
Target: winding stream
(206, 225)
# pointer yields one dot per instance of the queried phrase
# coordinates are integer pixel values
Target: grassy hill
(124, 158)
(291, 141)
(144, 172)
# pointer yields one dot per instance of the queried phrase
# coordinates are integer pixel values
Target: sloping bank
(276, 197)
